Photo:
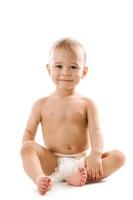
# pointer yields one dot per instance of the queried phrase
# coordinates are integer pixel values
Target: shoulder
(38, 104)
(36, 109)
(88, 101)
(90, 105)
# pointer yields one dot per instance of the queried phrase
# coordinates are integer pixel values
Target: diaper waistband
(77, 155)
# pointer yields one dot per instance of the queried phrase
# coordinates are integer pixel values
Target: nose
(66, 72)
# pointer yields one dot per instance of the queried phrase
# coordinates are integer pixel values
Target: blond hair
(68, 44)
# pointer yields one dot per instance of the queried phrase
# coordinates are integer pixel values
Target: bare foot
(43, 184)
(78, 177)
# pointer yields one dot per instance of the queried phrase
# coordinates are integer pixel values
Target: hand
(94, 168)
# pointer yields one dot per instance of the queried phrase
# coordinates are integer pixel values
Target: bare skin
(69, 124)
(78, 177)
(44, 184)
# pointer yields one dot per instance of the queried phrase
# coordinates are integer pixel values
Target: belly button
(69, 148)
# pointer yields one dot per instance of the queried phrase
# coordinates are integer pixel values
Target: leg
(111, 161)
(78, 177)
(38, 163)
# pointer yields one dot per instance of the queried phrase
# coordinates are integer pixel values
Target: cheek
(54, 73)
(77, 78)
(78, 75)
(54, 76)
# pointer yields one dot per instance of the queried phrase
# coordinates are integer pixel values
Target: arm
(95, 134)
(94, 161)
(33, 122)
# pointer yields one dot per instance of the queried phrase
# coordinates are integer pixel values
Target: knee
(119, 157)
(27, 147)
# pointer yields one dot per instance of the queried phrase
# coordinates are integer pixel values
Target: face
(67, 69)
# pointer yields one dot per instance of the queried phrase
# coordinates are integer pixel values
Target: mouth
(65, 80)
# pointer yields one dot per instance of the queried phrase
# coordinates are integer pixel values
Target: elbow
(28, 136)
(25, 146)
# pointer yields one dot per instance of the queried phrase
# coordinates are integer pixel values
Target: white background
(27, 31)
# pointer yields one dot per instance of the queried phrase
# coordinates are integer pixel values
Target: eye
(58, 66)
(74, 67)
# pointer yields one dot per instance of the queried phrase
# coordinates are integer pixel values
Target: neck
(63, 93)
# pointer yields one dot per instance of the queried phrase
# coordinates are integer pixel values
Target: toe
(83, 173)
(43, 184)
(42, 190)
(82, 182)
(81, 169)
(83, 177)
(50, 185)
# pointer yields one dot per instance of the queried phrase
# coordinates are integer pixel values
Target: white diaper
(67, 164)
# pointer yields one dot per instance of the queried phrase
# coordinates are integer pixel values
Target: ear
(48, 68)
(85, 71)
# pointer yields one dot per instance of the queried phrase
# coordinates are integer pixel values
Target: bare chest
(61, 111)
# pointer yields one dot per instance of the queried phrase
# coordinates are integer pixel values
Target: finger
(85, 163)
(88, 169)
(93, 175)
(89, 175)
(101, 171)
(97, 176)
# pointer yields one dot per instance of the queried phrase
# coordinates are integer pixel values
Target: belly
(66, 139)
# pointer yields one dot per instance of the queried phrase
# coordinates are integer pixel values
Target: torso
(64, 124)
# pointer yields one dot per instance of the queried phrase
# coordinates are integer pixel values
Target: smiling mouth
(65, 80)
